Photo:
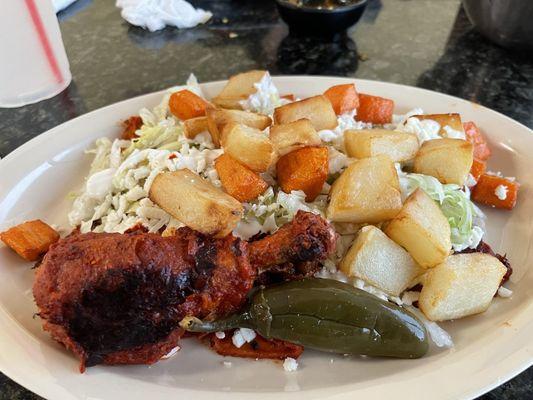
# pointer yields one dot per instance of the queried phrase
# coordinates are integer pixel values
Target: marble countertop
(425, 43)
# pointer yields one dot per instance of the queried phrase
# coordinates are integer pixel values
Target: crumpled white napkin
(156, 14)
(61, 4)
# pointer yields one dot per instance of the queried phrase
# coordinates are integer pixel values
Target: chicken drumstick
(118, 298)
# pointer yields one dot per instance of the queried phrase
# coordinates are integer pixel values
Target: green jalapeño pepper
(326, 315)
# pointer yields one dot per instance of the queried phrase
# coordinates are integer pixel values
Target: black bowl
(320, 21)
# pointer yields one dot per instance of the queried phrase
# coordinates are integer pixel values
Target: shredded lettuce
(455, 205)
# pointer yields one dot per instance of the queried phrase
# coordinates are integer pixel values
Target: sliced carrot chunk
(238, 180)
(495, 191)
(473, 135)
(185, 105)
(130, 127)
(478, 168)
(289, 97)
(374, 109)
(258, 348)
(343, 98)
(31, 239)
(304, 169)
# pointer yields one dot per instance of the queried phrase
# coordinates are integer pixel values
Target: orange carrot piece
(374, 109)
(343, 98)
(185, 105)
(31, 239)
(258, 348)
(485, 192)
(478, 168)
(130, 126)
(303, 169)
(238, 180)
(473, 135)
(289, 97)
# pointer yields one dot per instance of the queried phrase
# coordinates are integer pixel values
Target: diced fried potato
(367, 191)
(422, 229)
(238, 180)
(31, 239)
(448, 160)
(399, 146)
(197, 203)
(464, 284)
(185, 104)
(217, 119)
(194, 126)
(293, 136)
(304, 169)
(344, 98)
(375, 109)
(239, 87)
(248, 146)
(452, 120)
(379, 261)
(318, 110)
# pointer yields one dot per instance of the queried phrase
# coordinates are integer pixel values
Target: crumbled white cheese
(171, 353)
(453, 134)
(504, 292)
(220, 335)
(290, 364)
(470, 181)
(242, 336)
(265, 99)
(494, 173)
(501, 192)
(425, 129)
(409, 297)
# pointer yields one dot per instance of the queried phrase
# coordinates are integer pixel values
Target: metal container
(506, 22)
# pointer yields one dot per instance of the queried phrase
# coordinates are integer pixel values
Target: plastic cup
(33, 62)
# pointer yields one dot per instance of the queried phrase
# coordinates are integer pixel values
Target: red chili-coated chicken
(118, 298)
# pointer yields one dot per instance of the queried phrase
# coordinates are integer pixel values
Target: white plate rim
(515, 362)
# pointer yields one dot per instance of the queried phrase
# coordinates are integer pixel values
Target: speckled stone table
(426, 43)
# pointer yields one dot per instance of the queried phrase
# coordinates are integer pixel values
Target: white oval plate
(489, 348)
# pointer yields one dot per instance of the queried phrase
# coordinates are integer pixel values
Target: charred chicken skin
(118, 298)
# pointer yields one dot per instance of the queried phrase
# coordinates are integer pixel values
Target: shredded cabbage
(271, 210)
(455, 205)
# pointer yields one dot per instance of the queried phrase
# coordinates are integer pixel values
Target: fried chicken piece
(118, 298)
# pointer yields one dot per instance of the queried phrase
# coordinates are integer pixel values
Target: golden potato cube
(379, 261)
(196, 202)
(294, 135)
(367, 191)
(239, 87)
(399, 146)
(249, 146)
(318, 110)
(31, 239)
(452, 120)
(194, 126)
(217, 119)
(448, 160)
(422, 229)
(464, 284)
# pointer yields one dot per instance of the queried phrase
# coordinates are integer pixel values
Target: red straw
(43, 38)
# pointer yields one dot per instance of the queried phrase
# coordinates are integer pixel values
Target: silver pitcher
(506, 22)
